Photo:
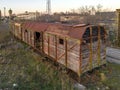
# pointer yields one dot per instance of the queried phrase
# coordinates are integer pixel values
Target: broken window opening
(26, 30)
(61, 41)
(94, 39)
(94, 31)
(86, 36)
(87, 33)
(102, 33)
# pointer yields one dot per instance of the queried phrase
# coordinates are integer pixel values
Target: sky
(20, 6)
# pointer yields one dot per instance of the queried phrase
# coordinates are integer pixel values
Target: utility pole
(48, 7)
(4, 12)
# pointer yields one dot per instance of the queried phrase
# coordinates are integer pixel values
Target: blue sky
(19, 6)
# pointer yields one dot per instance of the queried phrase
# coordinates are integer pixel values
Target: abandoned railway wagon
(80, 48)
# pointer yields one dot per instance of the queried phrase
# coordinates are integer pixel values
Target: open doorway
(26, 36)
(38, 40)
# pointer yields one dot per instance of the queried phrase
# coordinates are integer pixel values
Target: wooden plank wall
(94, 52)
(85, 52)
(72, 54)
(67, 54)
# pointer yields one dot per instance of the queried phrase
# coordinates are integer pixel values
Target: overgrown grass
(112, 78)
(3, 36)
(30, 73)
(28, 70)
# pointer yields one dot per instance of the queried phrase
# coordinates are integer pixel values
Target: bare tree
(93, 10)
(73, 11)
(81, 10)
(86, 10)
(10, 12)
(99, 8)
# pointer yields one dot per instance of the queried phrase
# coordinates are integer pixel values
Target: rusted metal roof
(77, 32)
(39, 27)
(62, 30)
(59, 29)
(35, 26)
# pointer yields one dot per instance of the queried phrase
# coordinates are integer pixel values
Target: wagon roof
(66, 30)
(75, 31)
(35, 26)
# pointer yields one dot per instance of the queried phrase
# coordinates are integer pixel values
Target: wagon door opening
(26, 36)
(38, 40)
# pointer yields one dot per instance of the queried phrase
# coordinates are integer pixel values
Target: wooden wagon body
(79, 47)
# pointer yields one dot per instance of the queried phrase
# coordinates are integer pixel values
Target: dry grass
(27, 69)
(31, 71)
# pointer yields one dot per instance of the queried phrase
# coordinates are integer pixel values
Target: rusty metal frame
(48, 44)
(24, 36)
(21, 33)
(98, 52)
(31, 38)
(56, 47)
(91, 52)
(27, 37)
(40, 38)
(80, 59)
(105, 41)
(42, 41)
(88, 63)
(34, 40)
(66, 52)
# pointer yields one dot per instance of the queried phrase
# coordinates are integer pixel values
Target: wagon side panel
(73, 55)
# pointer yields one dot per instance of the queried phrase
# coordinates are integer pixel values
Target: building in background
(28, 16)
(71, 18)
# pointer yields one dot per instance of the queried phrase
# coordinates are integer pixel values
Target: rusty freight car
(80, 48)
